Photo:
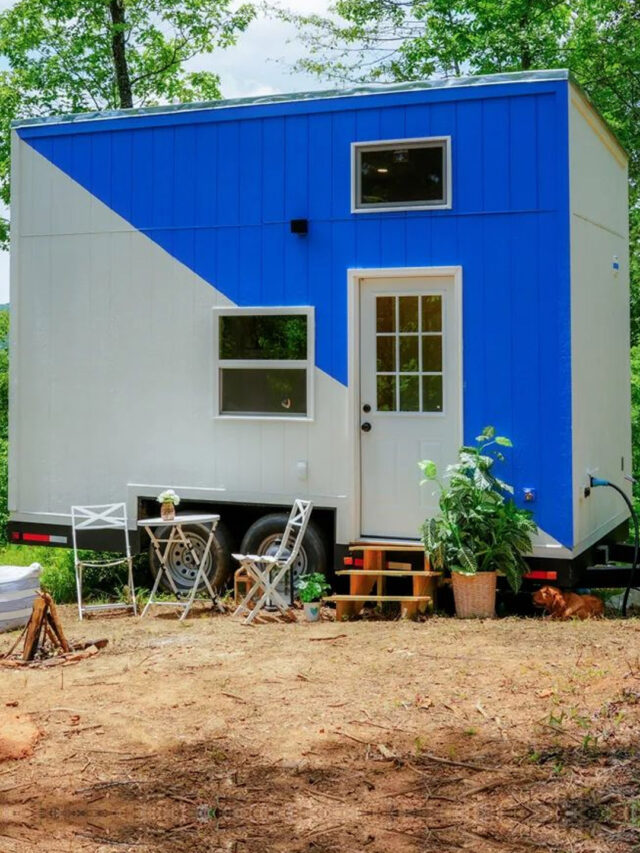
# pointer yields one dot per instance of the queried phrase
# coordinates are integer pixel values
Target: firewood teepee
(43, 625)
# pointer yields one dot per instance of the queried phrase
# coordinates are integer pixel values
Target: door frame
(354, 288)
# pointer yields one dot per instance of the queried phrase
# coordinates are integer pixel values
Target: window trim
(381, 144)
(307, 364)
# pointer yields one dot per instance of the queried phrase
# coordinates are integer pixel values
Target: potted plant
(311, 588)
(479, 531)
(168, 501)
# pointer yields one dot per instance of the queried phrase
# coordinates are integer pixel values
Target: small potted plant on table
(479, 531)
(311, 588)
(168, 501)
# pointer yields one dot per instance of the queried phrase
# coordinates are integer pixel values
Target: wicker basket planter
(475, 595)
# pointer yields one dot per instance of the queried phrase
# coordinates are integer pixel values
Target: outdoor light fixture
(300, 226)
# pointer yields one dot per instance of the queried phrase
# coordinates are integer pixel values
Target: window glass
(432, 393)
(409, 393)
(432, 353)
(386, 359)
(431, 313)
(386, 393)
(403, 175)
(408, 313)
(409, 354)
(264, 336)
(263, 391)
(386, 314)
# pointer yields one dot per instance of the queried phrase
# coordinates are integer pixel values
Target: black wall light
(299, 226)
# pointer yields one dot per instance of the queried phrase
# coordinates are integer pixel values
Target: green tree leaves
(66, 56)
(396, 40)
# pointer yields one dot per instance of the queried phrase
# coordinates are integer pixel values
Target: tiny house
(302, 296)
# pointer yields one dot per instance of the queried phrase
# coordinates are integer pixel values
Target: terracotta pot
(311, 610)
(167, 511)
(475, 595)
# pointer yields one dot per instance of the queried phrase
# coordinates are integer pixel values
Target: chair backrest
(294, 531)
(100, 517)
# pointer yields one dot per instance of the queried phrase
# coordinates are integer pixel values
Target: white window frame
(307, 364)
(415, 142)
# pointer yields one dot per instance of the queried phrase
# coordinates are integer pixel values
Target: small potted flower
(311, 588)
(168, 501)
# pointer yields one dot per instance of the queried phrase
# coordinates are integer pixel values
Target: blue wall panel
(217, 188)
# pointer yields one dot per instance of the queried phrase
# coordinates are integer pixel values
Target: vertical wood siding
(216, 189)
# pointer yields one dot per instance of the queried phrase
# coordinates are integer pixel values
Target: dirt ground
(509, 735)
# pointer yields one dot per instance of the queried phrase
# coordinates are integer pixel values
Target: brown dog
(568, 605)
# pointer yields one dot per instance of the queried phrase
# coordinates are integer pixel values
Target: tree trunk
(118, 49)
(526, 60)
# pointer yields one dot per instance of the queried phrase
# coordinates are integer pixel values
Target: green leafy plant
(312, 587)
(479, 528)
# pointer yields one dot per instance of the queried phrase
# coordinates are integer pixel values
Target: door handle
(365, 427)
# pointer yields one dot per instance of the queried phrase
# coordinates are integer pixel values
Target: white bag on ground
(18, 588)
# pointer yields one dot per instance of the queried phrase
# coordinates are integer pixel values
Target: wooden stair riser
(375, 569)
(362, 584)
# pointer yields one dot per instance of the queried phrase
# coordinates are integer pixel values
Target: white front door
(410, 396)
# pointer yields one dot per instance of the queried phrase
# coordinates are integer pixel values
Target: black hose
(636, 546)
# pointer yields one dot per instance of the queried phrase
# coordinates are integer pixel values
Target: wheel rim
(269, 546)
(180, 562)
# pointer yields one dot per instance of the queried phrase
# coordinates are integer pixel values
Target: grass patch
(102, 584)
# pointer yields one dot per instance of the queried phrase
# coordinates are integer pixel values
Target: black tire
(180, 562)
(263, 537)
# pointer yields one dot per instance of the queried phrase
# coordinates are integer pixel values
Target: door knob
(366, 427)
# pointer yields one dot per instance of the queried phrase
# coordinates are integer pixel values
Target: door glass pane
(409, 394)
(386, 354)
(386, 313)
(409, 353)
(432, 393)
(386, 393)
(432, 353)
(263, 391)
(432, 313)
(408, 314)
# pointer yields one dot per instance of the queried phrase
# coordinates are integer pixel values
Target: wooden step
(387, 545)
(390, 573)
(372, 597)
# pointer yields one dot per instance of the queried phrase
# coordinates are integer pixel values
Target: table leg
(162, 559)
(201, 574)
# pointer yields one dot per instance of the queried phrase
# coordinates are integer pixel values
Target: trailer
(303, 295)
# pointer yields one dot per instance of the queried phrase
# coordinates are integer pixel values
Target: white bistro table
(177, 534)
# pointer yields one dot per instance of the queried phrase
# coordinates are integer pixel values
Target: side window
(264, 362)
(401, 175)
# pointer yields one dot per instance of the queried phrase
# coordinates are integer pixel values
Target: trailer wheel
(265, 534)
(180, 560)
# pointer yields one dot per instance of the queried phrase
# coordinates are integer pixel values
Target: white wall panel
(114, 371)
(599, 321)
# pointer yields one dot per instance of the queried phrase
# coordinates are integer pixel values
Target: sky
(259, 64)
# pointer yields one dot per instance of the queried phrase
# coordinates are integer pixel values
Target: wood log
(54, 621)
(34, 628)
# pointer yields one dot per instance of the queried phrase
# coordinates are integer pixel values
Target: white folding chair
(101, 517)
(267, 572)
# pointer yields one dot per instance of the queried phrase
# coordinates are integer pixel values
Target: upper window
(265, 361)
(405, 174)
